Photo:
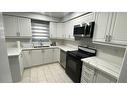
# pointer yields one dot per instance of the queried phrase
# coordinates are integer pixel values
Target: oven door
(73, 67)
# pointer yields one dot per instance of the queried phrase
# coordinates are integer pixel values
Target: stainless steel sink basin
(40, 46)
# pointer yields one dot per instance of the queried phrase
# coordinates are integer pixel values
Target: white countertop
(16, 51)
(13, 51)
(107, 67)
(64, 48)
(67, 48)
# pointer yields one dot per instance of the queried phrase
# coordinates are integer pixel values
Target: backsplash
(109, 53)
(12, 43)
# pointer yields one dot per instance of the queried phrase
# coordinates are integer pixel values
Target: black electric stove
(74, 63)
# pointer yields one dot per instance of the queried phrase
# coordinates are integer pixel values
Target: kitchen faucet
(41, 42)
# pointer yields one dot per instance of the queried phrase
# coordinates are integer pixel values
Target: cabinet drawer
(87, 73)
(88, 77)
(83, 80)
(88, 69)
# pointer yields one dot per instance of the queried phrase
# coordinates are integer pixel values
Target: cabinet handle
(29, 51)
(106, 39)
(21, 54)
(42, 51)
(17, 33)
(110, 38)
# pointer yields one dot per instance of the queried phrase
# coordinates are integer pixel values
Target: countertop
(67, 48)
(16, 51)
(107, 67)
(63, 47)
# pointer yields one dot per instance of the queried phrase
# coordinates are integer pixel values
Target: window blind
(40, 30)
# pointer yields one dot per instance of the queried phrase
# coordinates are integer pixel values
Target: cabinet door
(87, 18)
(48, 53)
(102, 26)
(88, 74)
(101, 78)
(11, 25)
(25, 27)
(27, 58)
(69, 29)
(59, 30)
(119, 30)
(36, 57)
(56, 55)
(53, 29)
(104, 78)
(63, 58)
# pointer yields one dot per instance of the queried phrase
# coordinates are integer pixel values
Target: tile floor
(50, 73)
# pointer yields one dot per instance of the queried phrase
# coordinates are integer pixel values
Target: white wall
(5, 74)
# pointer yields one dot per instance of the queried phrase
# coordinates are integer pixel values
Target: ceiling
(56, 14)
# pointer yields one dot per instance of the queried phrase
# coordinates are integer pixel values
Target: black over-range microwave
(84, 30)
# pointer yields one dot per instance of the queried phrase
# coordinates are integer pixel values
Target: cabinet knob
(18, 34)
(109, 38)
(21, 55)
(69, 36)
(42, 51)
(29, 51)
(106, 38)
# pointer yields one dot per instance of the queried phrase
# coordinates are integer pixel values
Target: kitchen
(65, 47)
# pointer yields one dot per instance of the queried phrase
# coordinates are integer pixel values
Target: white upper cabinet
(53, 29)
(11, 25)
(25, 27)
(60, 33)
(65, 30)
(56, 30)
(119, 30)
(68, 29)
(69, 25)
(17, 26)
(111, 28)
(102, 26)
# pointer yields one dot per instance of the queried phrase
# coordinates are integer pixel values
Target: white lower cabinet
(48, 54)
(40, 56)
(101, 77)
(56, 55)
(36, 57)
(16, 67)
(87, 74)
(91, 75)
(27, 58)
